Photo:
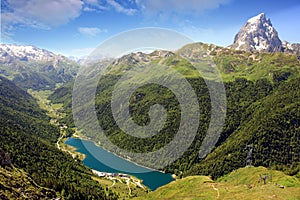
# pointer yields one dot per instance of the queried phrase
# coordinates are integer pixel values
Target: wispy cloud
(38, 14)
(102, 5)
(45, 14)
(94, 6)
(91, 31)
(121, 9)
(166, 7)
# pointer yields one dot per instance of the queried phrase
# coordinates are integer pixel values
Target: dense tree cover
(50, 167)
(64, 95)
(20, 110)
(241, 94)
(30, 74)
(5, 159)
(243, 97)
(271, 125)
(29, 139)
(261, 111)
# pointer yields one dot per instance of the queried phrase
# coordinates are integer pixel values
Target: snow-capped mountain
(11, 52)
(32, 67)
(258, 34)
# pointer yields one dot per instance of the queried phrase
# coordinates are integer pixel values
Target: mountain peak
(22, 52)
(35, 68)
(258, 18)
(258, 34)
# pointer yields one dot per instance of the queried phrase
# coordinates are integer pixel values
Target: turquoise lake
(152, 180)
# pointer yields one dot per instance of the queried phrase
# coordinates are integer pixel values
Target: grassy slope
(251, 65)
(240, 184)
(121, 188)
(17, 184)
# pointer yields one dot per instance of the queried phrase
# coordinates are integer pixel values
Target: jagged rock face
(258, 34)
(291, 48)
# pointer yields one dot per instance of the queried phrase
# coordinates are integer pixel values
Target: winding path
(213, 186)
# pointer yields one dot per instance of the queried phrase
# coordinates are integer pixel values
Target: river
(152, 180)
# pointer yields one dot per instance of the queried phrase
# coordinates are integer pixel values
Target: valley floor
(124, 185)
(241, 184)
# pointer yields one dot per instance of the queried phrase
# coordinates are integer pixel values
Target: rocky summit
(258, 34)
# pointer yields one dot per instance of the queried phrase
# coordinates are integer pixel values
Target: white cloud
(91, 31)
(89, 9)
(47, 13)
(121, 9)
(100, 5)
(154, 7)
(93, 6)
(38, 13)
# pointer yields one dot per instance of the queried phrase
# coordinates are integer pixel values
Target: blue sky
(75, 27)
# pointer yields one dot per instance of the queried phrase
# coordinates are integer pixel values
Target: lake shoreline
(128, 159)
(152, 178)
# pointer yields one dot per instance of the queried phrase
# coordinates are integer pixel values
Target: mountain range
(32, 67)
(261, 76)
(35, 68)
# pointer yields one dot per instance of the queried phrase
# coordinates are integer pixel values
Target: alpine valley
(257, 155)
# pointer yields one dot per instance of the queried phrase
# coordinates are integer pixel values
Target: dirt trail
(213, 186)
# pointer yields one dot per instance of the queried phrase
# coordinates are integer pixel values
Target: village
(122, 178)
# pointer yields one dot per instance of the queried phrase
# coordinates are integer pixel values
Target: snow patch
(27, 52)
(257, 18)
(240, 43)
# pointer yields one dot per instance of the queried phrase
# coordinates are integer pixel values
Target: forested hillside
(262, 92)
(28, 138)
(270, 127)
